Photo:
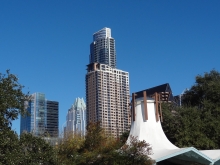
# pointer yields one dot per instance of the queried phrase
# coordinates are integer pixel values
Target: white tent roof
(151, 131)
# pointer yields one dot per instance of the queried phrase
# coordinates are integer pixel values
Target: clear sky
(46, 43)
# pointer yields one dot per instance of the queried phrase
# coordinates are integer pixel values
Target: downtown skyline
(46, 43)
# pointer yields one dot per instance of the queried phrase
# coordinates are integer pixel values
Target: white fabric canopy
(151, 131)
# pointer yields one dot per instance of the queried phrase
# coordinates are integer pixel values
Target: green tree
(94, 136)
(135, 152)
(171, 121)
(14, 150)
(35, 150)
(197, 122)
(124, 137)
(69, 148)
(206, 88)
(12, 99)
(98, 149)
(10, 150)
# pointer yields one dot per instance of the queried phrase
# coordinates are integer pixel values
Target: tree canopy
(98, 149)
(12, 99)
(26, 149)
(197, 122)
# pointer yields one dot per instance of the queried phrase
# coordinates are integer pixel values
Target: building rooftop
(160, 88)
(103, 33)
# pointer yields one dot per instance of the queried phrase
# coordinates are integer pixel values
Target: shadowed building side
(52, 118)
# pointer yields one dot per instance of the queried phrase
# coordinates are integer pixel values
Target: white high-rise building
(76, 118)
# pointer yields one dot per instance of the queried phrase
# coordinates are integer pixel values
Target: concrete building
(107, 98)
(107, 88)
(76, 118)
(43, 117)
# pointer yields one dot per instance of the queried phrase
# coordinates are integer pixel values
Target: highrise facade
(76, 118)
(102, 49)
(42, 118)
(52, 114)
(107, 94)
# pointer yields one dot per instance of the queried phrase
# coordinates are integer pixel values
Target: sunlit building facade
(76, 118)
(107, 88)
(107, 98)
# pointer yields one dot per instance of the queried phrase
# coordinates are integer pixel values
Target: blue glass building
(102, 49)
(42, 118)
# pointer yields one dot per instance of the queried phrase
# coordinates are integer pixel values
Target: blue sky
(46, 43)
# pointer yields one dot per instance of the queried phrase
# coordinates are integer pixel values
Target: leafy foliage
(197, 122)
(14, 150)
(97, 149)
(11, 104)
(136, 152)
(35, 150)
(9, 147)
(124, 137)
(206, 88)
(12, 99)
(94, 136)
(69, 148)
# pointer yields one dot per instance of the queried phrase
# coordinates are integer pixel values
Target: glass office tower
(102, 49)
(42, 118)
(52, 118)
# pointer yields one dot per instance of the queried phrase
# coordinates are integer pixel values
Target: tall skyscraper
(42, 118)
(52, 114)
(107, 94)
(102, 49)
(76, 118)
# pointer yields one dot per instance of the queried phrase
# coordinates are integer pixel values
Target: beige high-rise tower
(107, 96)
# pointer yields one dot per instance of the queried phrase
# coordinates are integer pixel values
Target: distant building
(42, 119)
(107, 88)
(177, 99)
(107, 98)
(76, 118)
(102, 49)
(160, 88)
(52, 118)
